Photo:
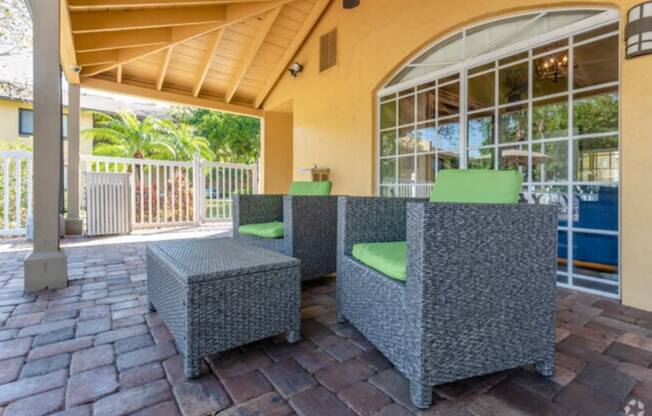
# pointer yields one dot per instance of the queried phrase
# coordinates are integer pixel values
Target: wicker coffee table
(217, 294)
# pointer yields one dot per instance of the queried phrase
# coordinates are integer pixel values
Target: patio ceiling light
(295, 69)
(351, 4)
(638, 32)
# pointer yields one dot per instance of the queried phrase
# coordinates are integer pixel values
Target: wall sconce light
(295, 69)
(638, 32)
(351, 4)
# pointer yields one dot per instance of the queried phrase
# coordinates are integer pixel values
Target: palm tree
(124, 135)
(185, 141)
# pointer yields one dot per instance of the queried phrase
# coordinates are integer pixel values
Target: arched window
(536, 92)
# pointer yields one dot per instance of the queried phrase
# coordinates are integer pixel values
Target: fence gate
(107, 203)
(16, 184)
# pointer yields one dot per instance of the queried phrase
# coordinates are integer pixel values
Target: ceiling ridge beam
(302, 34)
(251, 52)
(164, 68)
(112, 20)
(214, 43)
(234, 14)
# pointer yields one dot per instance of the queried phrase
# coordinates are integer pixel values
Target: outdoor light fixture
(295, 69)
(638, 32)
(351, 4)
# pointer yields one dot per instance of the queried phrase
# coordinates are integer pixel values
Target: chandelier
(553, 68)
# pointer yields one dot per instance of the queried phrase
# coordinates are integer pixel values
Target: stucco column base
(74, 226)
(46, 270)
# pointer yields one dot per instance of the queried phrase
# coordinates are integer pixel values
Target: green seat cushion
(310, 188)
(477, 186)
(388, 258)
(264, 230)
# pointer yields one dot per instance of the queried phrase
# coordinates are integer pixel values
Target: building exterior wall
(276, 151)
(334, 112)
(9, 125)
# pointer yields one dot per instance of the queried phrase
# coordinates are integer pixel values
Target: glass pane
(550, 74)
(562, 251)
(387, 97)
(481, 68)
(514, 158)
(513, 58)
(550, 46)
(595, 255)
(550, 162)
(406, 140)
(406, 110)
(513, 85)
(513, 124)
(597, 207)
(449, 78)
(426, 137)
(388, 170)
(481, 129)
(426, 168)
(550, 118)
(596, 62)
(595, 112)
(426, 105)
(590, 284)
(387, 191)
(481, 92)
(406, 169)
(553, 194)
(388, 114)
(448, 135)
(596, 32)
(481, 158)
(388, 143)
(561, 278)
(426, 86)
(449, 100)
(448, 159)
(596, 159)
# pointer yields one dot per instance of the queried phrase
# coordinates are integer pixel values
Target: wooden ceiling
(222, 54)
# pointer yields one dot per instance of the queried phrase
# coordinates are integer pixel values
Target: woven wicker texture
(310, 228)
(236, 306)
(479, 293)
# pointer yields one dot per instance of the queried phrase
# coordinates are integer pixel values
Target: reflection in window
(387, 171)
(481, 129)
(595, 255)
(449, 100)
(595, 112)
(426, 168)
(388, 114)
(406, 140)
(513, 83)
(426, 137)
(481, 91)
(448, 135)
(406, 110)
(550, 162)
(481, 158)
(550, 118)
(550, 74)
(596, 159)
(388, 143)
(597, 207)
(596, 63)
(406, 169)
(426, 105)
(514, 158)
(513, 124)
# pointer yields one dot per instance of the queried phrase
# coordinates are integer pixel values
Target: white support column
(45, 266)
(73, 220)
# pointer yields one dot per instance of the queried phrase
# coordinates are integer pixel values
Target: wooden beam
(118, 77)
(102, 41)
(213, 44)
(106, 21)
(77, 5)
(251, 52)
(170, 97)
(67, 45)
(164, 69)
(96, 58)
(302, 34)
(235, 13)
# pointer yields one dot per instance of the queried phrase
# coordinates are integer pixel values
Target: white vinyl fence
(162, 192)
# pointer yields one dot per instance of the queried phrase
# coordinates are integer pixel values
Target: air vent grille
(328, 50)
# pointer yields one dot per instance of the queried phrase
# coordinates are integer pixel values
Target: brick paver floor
(92, 349)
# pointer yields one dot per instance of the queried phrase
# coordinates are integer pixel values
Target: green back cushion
(388, 258)
(264, 230)
(310, 188)
(477, 186)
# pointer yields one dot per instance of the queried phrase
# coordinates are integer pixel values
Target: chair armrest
(370, 219)
(473, 266)
(256, 209)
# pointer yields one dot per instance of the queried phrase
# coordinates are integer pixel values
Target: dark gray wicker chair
(310, 228)
(479, 290)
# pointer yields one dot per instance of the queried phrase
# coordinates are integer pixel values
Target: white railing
(107, 203)
(421, 190)
(16, 183)
(220, 181)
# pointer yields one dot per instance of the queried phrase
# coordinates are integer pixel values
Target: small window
(25, 122)
(328, 51)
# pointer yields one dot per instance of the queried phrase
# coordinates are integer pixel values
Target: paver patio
(93, 349)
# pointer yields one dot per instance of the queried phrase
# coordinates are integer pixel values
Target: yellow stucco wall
(334, 111)
(9, 124)
(276, 152)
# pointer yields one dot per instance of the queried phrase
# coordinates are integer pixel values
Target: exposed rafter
(126, 4)
(96, 58)
(118, 77)
(146, 19)
(67, 50)
(234, 13)
(206, 62)
(93, 42)
(164, 69)
(279, 69)
(249, 56)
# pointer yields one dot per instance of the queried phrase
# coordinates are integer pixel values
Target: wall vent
(328, 50)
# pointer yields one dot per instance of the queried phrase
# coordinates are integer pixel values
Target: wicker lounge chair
(302, 224)
(478, 287)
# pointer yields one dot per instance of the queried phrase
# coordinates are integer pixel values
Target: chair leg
(293, 336)
(150, 307)
(421, 394)
(545, 367)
